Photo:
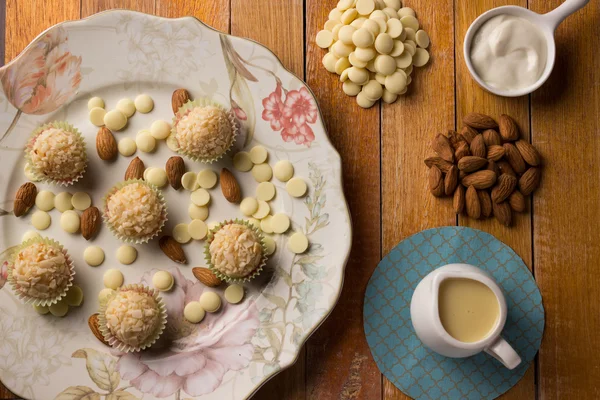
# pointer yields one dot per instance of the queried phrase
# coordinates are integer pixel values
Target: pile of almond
(487, 167)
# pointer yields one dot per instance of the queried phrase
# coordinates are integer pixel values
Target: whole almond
(502, 212)
(505, 185)
(468, 133)
(95, 328)
(175, 169)
(472, 203)
(528, 152)
(206, 276)
(439, 162)
(90, 222)
(462, 151)
(492, 137)
(508, 128)
(450, 181)
(479, 121)
(442, 146)
(179, 98)
(106, 145)
(492, 166)
(505, 168)
(135, 170)
(436, 181)
(495, 152)
(458, 202)
(485, 202)
(517, 201)
(24, 199)
(230, 187)
(480, 180)
(455, 139)
(514, 158)
(172, 249)
(530, 181)
(471, 163)
(478, 146)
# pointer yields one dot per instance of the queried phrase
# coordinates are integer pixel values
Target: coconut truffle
(135, 210)
(41, 271)
(204, 132)
(235, 250)
(57, 154)
(133, 317)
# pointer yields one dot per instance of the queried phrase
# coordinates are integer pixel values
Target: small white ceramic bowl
(547, 23)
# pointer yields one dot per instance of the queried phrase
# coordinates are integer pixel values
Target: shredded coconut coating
(58, 154)
(204, 132)
(41, 271)
(132, 317)
(135, 210)
(235, 250)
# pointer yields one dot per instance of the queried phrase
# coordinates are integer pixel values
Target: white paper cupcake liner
(112, 340)
(35, 172)
(140, 239)
(35, 301)
(219, 274)
(183, 110)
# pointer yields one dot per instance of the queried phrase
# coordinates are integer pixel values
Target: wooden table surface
(385, 179)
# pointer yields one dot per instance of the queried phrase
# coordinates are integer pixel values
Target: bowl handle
(503, 352)
(556, 16)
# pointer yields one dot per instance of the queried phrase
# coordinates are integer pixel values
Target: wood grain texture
(407, 127)
(339, 363)
(471, 97)
(89, 7)
(279, 26)
(215, 13)
(565, 127)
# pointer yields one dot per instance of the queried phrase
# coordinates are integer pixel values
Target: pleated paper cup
(17, 287)
(183, 111)
(36, 170)
(112, 340)
(134, 239)
(221, 275)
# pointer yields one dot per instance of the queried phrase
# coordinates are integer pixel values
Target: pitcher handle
(556, 16)
(503, 352)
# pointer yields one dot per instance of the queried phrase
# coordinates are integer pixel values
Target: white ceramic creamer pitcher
(428, 325)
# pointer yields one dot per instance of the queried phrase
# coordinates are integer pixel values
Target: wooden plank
(471, 97)
(89, 7)
(24, 21)
(279, 26)
(408, 126)
(214, 12)
(339, 363)
(565, 126)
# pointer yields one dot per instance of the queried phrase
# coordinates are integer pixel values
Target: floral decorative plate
(233, 352)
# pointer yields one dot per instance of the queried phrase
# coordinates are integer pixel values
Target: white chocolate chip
(198, 212)
(181, 234)
(242, 161)
(59, 309)
(160, 130)
(189, 181)
(263, 210)
(262, 172)
(40, 220)
(113, 279)
(127, 147)
(144, 103)
(29, 173)
(200, 197)
(283, 170)
(95, 102)
(115, 120)
(421, 57)
(298, 243)
(197, 229)
(210, 302)
(97, 115)
(207, 178)
(81, 201)
(42, 310)
(410, 21)
(93, 256)
(248, 206)
(62, 201)
(156, 176)
(265, 191)
(324, 39)
(104, 294)
(44, 200)
(145, 142)
(126, 106)
(258, 154)
(384, 43)
(270, 245)
(404, 11)
(126, 254)
(296, 187)
(365, 7)
(280, 223)
(30, 235)
(363, 37)
(351, 88)
(422, 38)
(234, 294)
(70, 221)
(265, 224)
(193, 312)
(163, 281)
(74, 296)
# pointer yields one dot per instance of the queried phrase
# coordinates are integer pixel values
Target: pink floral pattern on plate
(43, 78)
(192, 358)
